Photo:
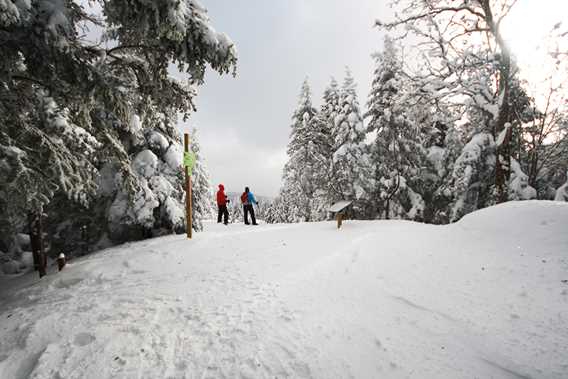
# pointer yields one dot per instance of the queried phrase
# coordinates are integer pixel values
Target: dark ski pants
(249, 209)
(224, 213)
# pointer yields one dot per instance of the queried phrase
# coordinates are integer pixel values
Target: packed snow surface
(486, 297)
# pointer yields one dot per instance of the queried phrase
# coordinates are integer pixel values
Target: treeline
(457, 134)
(90, 151)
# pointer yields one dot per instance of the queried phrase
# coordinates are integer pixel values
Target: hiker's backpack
(244, 197)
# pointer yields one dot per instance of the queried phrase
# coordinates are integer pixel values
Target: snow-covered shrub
(279, 212)
(562, 191)
(519, 188)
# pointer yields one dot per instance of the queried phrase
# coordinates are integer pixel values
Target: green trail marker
(189, 160)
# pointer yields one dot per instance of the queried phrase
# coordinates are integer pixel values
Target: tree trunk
(503, 168)
(391, 194)
(36, 242)
(503, 164)
(533, 168)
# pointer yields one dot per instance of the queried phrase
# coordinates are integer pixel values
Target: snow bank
(486, 297)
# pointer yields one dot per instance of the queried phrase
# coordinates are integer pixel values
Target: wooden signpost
(338, 208)
(188, 163)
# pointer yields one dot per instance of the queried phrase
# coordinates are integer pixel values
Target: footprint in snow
(83, 339)
(66, 283)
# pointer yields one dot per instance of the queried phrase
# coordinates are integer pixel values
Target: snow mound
(517, 217)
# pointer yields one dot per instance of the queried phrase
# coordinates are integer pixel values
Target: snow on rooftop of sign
(340, 205)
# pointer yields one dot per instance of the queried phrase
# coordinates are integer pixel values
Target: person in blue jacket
(247, 198)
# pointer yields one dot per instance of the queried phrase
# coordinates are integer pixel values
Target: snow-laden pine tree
(476, 43)
(68, 105)
(156, 202)
(302, 167)
(466, 60)
(396, 153)
(443, 149)
(472, 177)
(323, 138)
(348, 148)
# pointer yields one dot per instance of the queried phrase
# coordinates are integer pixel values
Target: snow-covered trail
(483, 298)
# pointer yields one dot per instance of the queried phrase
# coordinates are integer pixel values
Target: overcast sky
(244, 122)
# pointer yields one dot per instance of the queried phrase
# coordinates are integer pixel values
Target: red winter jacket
(221, 197)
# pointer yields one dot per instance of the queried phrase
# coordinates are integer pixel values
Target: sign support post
(188, 168)
(339, 219)
(339, 210)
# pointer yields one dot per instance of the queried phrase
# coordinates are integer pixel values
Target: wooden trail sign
(188, 163)
(338, 208)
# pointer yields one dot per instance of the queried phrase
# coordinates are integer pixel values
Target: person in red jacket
(222, 205)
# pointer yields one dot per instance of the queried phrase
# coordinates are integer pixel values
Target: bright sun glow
(526, 29)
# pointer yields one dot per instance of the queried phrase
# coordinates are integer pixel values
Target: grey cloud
(244, 122)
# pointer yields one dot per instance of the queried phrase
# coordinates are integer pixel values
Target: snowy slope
(483, 298)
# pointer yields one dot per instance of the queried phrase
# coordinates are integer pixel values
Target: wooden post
(61, 261)
(339, 219)
(188, 205)
(85, 239)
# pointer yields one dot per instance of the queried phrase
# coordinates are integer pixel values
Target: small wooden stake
(61, 261)
(188, 205)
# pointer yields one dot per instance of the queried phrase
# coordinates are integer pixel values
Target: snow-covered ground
(484, 298)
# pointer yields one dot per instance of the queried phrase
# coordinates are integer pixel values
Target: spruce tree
(396, 153)
(202, 191)
(301, 168)
(323, 129)
(348, 134)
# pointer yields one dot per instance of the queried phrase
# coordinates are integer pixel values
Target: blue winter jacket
(251, 199)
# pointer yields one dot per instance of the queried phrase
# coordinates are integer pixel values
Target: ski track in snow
(477, 299)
